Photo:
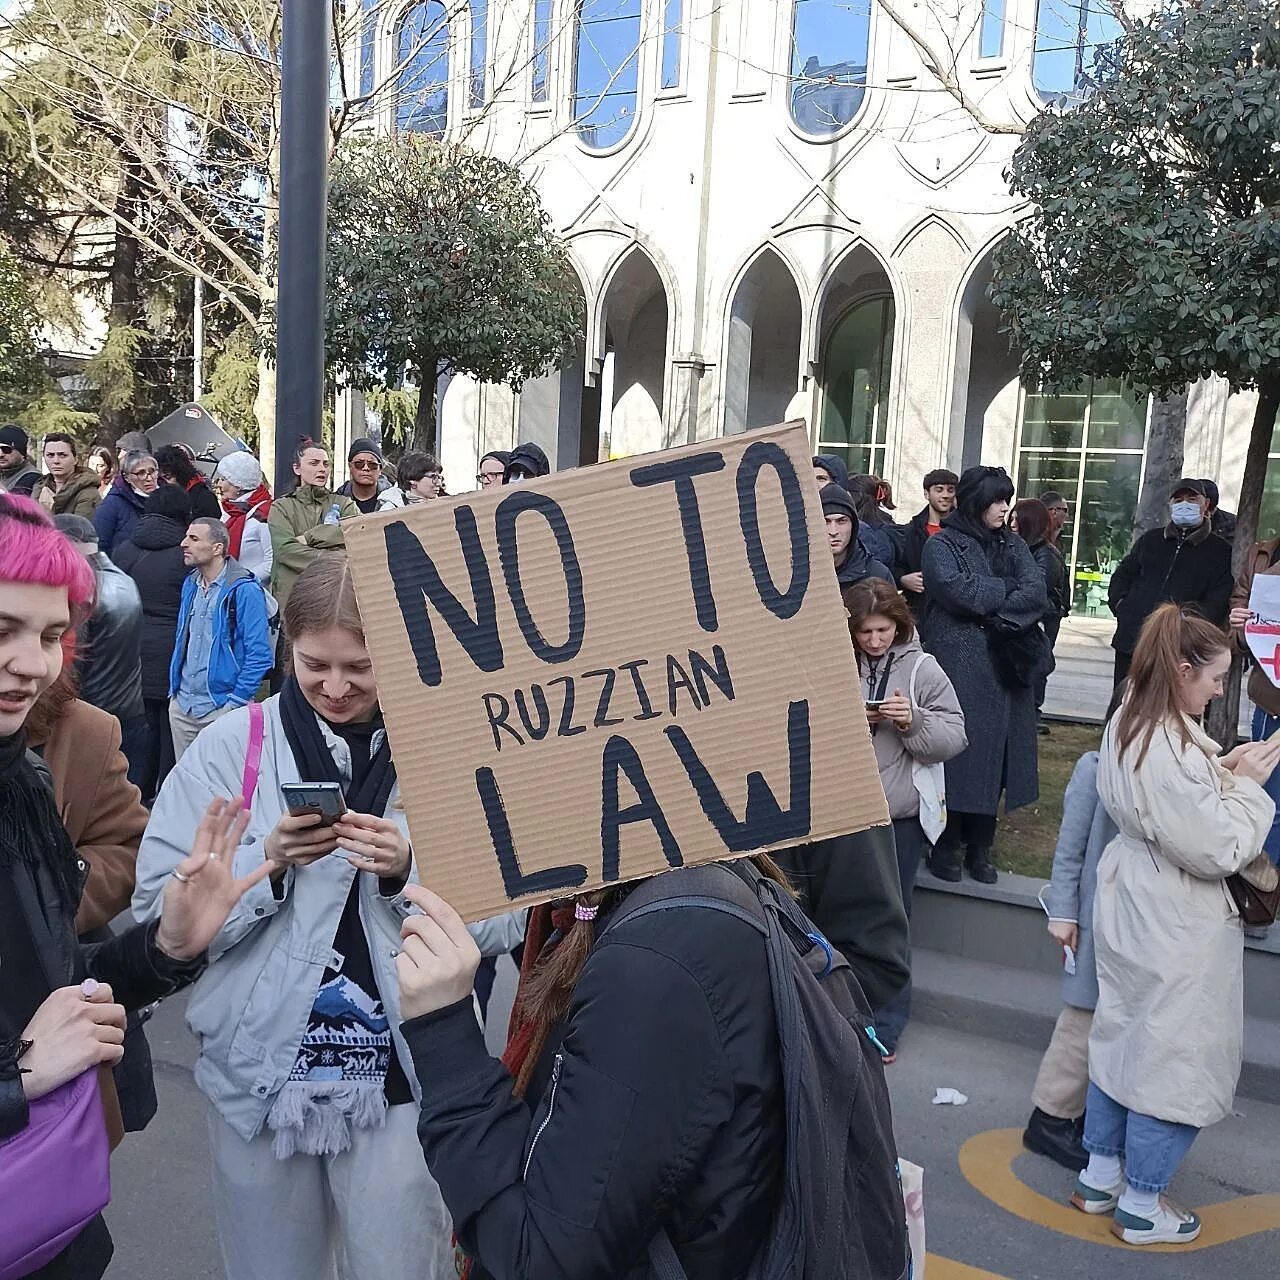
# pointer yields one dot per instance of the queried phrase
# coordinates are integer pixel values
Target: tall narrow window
(1068, 33)
(672, 18)
(479, 53)
(991, 32)
(368, 44)
(606, 70)
(829, 43)
(541, 50)
(422, 56)
(855, 389)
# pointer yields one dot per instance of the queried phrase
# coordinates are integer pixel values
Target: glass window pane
(1068, 33)
(1108, 504)
(541, 49)
(991, 35)
(479, 51)
(368, 44)
(1269, 516)
(1117, 416)
(422, 54)
(1059, 471)
(856, 386)
(671, 19)
(606, 68)
(1054, 421)
(829, 41)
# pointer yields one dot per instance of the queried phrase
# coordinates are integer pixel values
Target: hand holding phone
(305, 833)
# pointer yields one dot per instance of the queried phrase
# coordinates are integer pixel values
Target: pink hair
(33, 551)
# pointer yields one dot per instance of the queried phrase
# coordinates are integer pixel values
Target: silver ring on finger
(179, 877)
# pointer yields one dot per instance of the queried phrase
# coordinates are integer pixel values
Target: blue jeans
(1152, 1149)
(1263, 727)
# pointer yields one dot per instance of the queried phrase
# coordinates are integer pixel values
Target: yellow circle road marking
(986, 1161)
(937, 1268)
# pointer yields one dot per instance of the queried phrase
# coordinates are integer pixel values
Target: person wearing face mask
(986, 594)
(1183, 563)
(853, 561)
(121, 509)
(527, 462)
(1166, 1042)
(313, 1131)
(915, 721)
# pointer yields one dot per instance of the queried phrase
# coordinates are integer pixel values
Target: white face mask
(1186, 515)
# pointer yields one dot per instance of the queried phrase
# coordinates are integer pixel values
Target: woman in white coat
(1166, 1044)
(313, 1093)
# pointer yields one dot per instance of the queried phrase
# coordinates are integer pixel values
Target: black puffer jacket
(138, 975)
(656, 1104)
(1050, 562)
(1167, 564)
(152, 557)
(108, 658)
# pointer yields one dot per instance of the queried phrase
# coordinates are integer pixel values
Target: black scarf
(365, 794)
(31, 830)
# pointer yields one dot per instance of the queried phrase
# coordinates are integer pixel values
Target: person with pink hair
(63, 1004)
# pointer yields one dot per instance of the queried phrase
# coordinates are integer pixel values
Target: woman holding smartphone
(313, 1127)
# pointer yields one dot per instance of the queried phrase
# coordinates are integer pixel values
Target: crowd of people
(176, 650)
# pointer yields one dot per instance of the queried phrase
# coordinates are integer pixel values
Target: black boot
(978, 863)
(1047, 1135)
(944, 862)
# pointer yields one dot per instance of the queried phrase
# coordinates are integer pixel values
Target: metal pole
(197, 341)
(304, 144)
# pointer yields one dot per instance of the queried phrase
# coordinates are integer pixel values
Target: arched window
(1068, 33)
(422, 56)
(606, 59)
(856, 387)
(829, 43)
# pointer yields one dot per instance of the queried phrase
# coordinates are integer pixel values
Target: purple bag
(55, 1176)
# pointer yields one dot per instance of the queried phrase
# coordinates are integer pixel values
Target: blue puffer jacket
(238, 662)
(117, 513)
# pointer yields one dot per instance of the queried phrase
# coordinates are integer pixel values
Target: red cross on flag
(1262, 631)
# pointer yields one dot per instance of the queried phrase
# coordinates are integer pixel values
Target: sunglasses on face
(7, 448)
(364, 466)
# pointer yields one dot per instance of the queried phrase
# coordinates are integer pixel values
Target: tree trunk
(1223, 718)
(264, 410)
(124, 308)
(1165, 440)
(424, 418)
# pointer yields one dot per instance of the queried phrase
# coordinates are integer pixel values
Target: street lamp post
(304, 144)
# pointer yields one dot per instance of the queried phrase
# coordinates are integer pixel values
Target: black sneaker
(1057, 1139)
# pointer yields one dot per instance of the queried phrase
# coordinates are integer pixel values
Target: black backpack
(841, 1213)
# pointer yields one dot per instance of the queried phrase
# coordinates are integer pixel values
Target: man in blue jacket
(223, 649)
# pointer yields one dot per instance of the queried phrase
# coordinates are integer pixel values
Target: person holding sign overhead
(313, 1131)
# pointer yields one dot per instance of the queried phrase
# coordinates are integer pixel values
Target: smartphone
(324, 798)
(874, 704)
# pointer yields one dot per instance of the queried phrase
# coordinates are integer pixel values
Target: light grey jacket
(250, 1009)
(1085, 832)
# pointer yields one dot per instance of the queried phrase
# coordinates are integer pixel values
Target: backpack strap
(663, 1263)
(253, 754)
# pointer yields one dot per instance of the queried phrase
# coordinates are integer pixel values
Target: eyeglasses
(145, 473)
(489, 477)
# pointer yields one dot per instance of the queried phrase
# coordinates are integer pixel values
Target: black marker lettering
(681, 473)
(764, 453)
(676, 682)
(602, 720)
(417, 581)
(717, 674)
(620, 756)
(514, 882)
(567, 728)
(509, 509)
(766, 822)
(539, 731)
(497, 708)
(642, 694)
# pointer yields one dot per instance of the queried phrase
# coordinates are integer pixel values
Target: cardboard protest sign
(1262, 631)
(633, 666)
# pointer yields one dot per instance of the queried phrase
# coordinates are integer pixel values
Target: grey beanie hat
(240, 469)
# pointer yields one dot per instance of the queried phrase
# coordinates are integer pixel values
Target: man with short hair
(67, 488)
(1056, 505)
(1182, 562)
(17, 475)
(940, 500)
(364, 461)
(223, 650)
(109, 646)
(853, 562)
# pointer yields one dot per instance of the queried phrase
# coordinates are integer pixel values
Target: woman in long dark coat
(981, 581)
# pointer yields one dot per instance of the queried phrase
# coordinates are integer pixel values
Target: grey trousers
(372, 1212)
(186, 729)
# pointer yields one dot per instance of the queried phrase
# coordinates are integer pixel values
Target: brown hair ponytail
(1172, 635)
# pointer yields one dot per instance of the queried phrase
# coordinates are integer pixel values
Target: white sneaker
(1170, 1224)
(1095, 1199)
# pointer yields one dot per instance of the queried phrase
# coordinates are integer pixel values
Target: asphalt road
(161, 1219)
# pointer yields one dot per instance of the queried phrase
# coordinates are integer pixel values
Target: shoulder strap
(663, 1263)
(253, 754)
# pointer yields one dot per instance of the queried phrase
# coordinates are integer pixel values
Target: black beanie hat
(363, 444)
(13, 435)
(837, 501)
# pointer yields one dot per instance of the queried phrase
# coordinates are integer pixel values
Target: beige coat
(1168, 1033)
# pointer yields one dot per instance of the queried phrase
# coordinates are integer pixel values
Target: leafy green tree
(1153, 248)
(441, 260)
(20, 372)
